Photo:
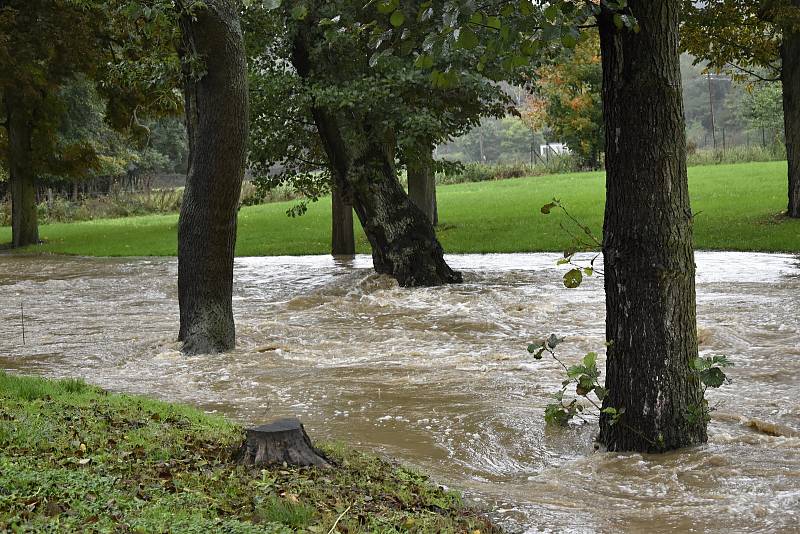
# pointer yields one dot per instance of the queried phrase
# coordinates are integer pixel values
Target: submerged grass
(74, 458)
(737, 207)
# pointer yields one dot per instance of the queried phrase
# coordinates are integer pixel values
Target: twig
(22, 320)
(335, 523)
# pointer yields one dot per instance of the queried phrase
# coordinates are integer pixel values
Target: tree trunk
(422, 182)
(22, 175)
(403, 240)
(790, 75)
(647, 239)
(282, 441)
(343, 242)
(217, 127)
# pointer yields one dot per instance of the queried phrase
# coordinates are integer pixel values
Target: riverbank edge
(76, 458)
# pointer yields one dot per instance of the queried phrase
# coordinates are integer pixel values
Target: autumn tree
(567, 100)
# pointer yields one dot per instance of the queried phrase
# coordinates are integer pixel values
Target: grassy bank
(74, 458)
(736, 208)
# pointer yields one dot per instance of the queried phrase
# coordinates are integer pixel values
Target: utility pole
(711, 107)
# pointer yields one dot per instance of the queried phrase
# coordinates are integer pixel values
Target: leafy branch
(583, 240)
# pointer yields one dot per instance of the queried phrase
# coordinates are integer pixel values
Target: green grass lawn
(737, 207)
(74, 458)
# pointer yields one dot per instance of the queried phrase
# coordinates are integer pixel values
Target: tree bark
(647, 240)
(22, 174)
(422, 182)
(790, 76)
(403, 240)
(343, 242)
(215, 82)
(282, 441)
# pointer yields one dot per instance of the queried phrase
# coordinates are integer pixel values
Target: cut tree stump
(284, 440)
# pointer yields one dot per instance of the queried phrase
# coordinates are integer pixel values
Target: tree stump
(284, 440)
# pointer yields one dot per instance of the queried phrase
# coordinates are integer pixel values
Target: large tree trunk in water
(216, 120)
(403, 240)
(22, 175)
(343, 242)
(647, 240)
(422, 182)
(790, 56)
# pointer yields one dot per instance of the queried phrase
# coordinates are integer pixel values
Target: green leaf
(397, 19)
(573, 278)
(585, 385)
(601, 393)
(569, 40)
(299, 12)
(424, 61)
(270, 4)
(713, 377)
(590, 360)
(387, 6)
(467, 39)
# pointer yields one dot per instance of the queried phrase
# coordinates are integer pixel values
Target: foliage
(567, 101)
(740, 154)
(74, 458)
(125, 53)
(387, 92)
(711, 372)
(763, 107)
(739, 37)
(584, 376)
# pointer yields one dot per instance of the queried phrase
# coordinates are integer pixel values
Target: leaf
(467, 39)
(601, 393)
(299, 12)
(569, 40)
(387, 6)
(553, 341)
(585, 385)
(494, 23)
(713, 377)
(590, 360)
(269, 5)
(548, 207)
(573, 278)
(397, 19)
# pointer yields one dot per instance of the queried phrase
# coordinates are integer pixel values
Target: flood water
(440, 379)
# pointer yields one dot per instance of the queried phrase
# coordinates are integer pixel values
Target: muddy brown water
(440, 379)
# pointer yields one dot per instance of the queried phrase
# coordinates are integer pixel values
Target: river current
(439, 378)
